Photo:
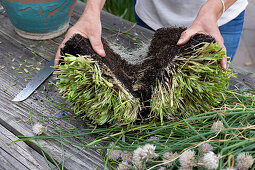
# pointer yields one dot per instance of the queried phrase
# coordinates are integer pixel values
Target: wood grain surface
(19, 62)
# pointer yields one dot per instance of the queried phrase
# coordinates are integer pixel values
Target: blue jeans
(231, 32)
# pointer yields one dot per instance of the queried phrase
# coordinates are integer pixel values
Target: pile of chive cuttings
(222, 138)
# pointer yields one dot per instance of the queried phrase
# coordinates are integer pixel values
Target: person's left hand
(205, 23)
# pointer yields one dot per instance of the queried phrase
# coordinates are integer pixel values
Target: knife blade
(31, 86)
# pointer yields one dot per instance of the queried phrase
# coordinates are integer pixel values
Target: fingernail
(224, 67)
(180, 41)
(101, 52)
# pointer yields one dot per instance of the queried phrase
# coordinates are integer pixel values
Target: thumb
(223, 63)
(97, 45)
(220, 41)
(185, 36)
(56, 61)
(57, 56)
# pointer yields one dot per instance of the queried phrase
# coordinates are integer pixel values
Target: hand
(205, 23)
(89, 26)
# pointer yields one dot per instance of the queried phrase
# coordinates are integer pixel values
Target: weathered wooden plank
(14, 51)
(11, 112)
(43, 48)
(79, 158)
(9, 162)
(244, 80)
(18, 155)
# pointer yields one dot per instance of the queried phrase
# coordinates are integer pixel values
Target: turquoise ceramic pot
(39, 19)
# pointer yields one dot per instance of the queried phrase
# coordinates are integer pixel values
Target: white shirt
(163, 13)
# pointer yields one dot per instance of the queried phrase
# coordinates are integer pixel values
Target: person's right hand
(89, 26)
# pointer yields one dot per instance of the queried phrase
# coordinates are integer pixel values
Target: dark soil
(139, 80)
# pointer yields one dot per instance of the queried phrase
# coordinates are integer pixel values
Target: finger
(185, 36)
(220, 41)
(223, 63)
(97, 45)
(57, 56)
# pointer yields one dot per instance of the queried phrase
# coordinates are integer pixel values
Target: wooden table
(17, 54)
(19, 59)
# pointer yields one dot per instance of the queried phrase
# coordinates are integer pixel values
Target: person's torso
(163, 13)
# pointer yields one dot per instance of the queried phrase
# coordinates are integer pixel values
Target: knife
(31, 86)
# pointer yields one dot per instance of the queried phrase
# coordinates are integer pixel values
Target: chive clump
(192, 83)
(94, 93)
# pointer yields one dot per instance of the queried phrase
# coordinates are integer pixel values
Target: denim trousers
(231, 32)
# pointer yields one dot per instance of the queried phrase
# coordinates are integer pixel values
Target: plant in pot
(41, 19)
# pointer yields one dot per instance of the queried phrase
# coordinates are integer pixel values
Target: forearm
(214, 8)
(93, 8)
